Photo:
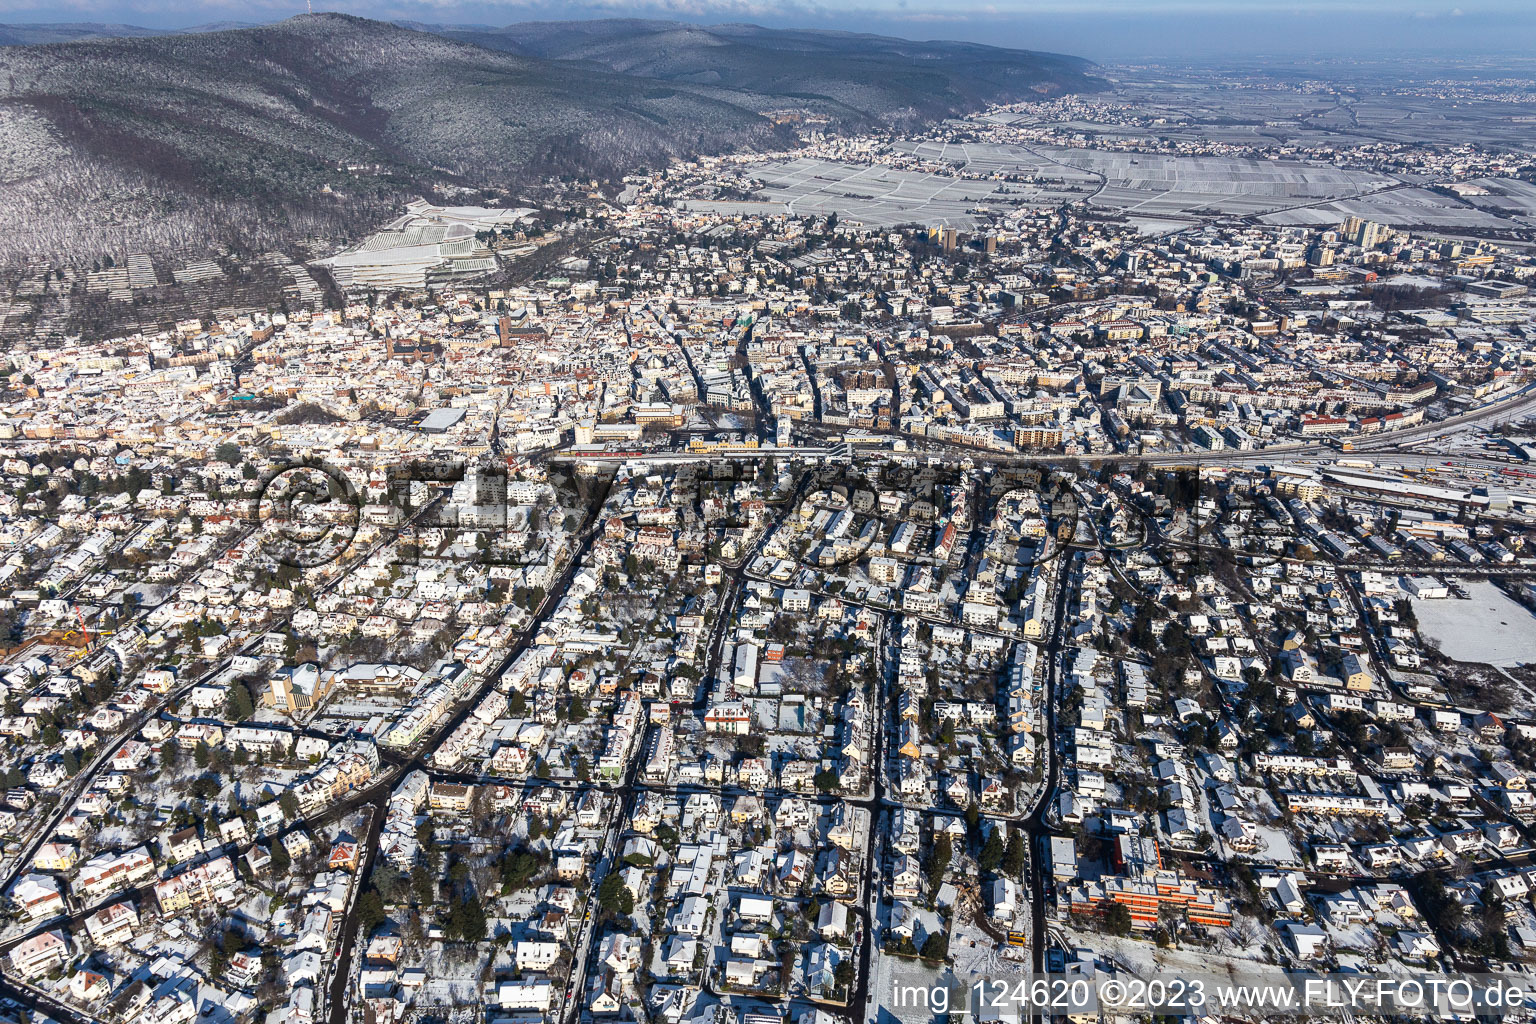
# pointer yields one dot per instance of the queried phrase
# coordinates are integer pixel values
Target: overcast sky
(1097, 29)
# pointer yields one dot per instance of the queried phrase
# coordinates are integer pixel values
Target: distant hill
(850, 76)
(74, 31)
(34, 35)
(322, 124)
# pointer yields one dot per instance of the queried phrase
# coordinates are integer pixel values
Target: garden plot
(1405, 206)
(1163, 185)
(872, 195)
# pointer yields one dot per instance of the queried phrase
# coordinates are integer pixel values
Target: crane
(86, 633)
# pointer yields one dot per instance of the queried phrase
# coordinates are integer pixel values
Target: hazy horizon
(1105, 31)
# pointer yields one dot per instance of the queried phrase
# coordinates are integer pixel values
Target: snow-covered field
(1487, 627)
(903, 989)
(1234, 951)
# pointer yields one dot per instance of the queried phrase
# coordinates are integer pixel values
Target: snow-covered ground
(1233, 951)
(903, 990)
(1420, 281)
(1487, 627)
